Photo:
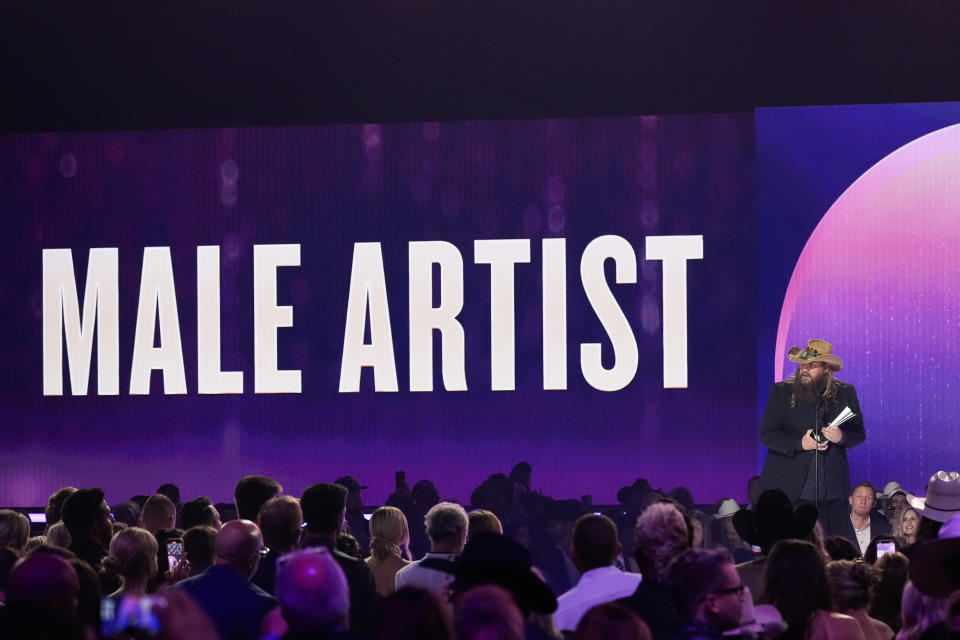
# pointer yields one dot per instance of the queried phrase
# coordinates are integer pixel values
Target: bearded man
(807, 459)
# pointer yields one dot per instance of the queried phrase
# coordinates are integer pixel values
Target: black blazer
(879, 526)
(782, 428)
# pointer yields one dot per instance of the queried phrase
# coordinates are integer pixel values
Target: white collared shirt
(596, 586)
(863, 537)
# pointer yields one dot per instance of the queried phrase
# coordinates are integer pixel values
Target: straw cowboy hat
(815, 351)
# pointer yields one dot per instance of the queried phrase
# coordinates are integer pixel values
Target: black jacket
(782, 428)
(879, 526)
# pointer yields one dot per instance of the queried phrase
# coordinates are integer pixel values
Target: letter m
(61, 317)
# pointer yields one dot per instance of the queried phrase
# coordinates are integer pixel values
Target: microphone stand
(817, 436)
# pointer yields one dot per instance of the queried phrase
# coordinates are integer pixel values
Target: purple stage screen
(299, 210)
(859, 206)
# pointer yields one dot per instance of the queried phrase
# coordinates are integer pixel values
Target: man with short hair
(864, 523)
(280, 519)
(199, 512)
(313, 594)
(158, 513)
(358, 525)
(447, 525)
(250, 494)
(706, 592)
(324, 507)
(86, 516)
(595, 549)
(224, 591)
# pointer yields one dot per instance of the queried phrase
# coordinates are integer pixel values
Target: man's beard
(809, 391)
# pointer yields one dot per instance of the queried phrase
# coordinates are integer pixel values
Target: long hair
(133, 554)
(829, 395)
(795, 582)
(388, 529)
(898, 528)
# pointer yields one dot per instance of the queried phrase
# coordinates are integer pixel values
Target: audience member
(482, 521)
(487, 612)
(313, 594)
(87, 518)
(864, 523)
(347, 544)
(88, 597)
(555, 560)
(198, 549)
(54, 508)
(127, 513)
(446, 524)
(885, 606)
(251, 493)
(133, 558)
(660, 536)
(58, 536)
(324, 507)
(919, 613)
(42, 599)
(905, 529)
(595, 549)
(852, 584)
(280, 522)
(8, 558)
(611, 621)
(758, 621)
(724, 534)
(414, 614)
(796, 584)
(389, 537)
(773, 520)
(158, 513)
(754, 490)
(356, 522)
(14, 529)
(425, 496)
(941, 503)
(935, 565)
(235, 606)
(171, 491)
(199, 512)
(491, 558)
(706, 592)
(840, 548)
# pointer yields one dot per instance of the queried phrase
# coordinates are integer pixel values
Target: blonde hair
(133, 554)
(388, 529)
(660, 535)
(14, 529)
(483, 521)
(58, 536)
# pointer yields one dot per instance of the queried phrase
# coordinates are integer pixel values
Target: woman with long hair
(905, 531)
(389, 541)
(795, 582)
(133, 557)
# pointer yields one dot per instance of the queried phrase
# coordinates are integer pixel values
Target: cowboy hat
(935, 564)
(774, 519)
(492, 558)
(816, 351)
(727, 508)
(942, 501)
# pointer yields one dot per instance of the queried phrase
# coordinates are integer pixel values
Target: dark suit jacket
(782, 428)
(235, 605)
(879, 526)
(364, 600)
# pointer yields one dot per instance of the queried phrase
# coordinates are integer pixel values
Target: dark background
(123, 65)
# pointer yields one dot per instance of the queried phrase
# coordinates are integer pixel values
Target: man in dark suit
(224, 591)
(807, 459)
(324, 508)
(864, 523)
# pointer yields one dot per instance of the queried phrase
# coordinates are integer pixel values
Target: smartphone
(400, 478)
(129, 616)
(174, 552)
(885, 547)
